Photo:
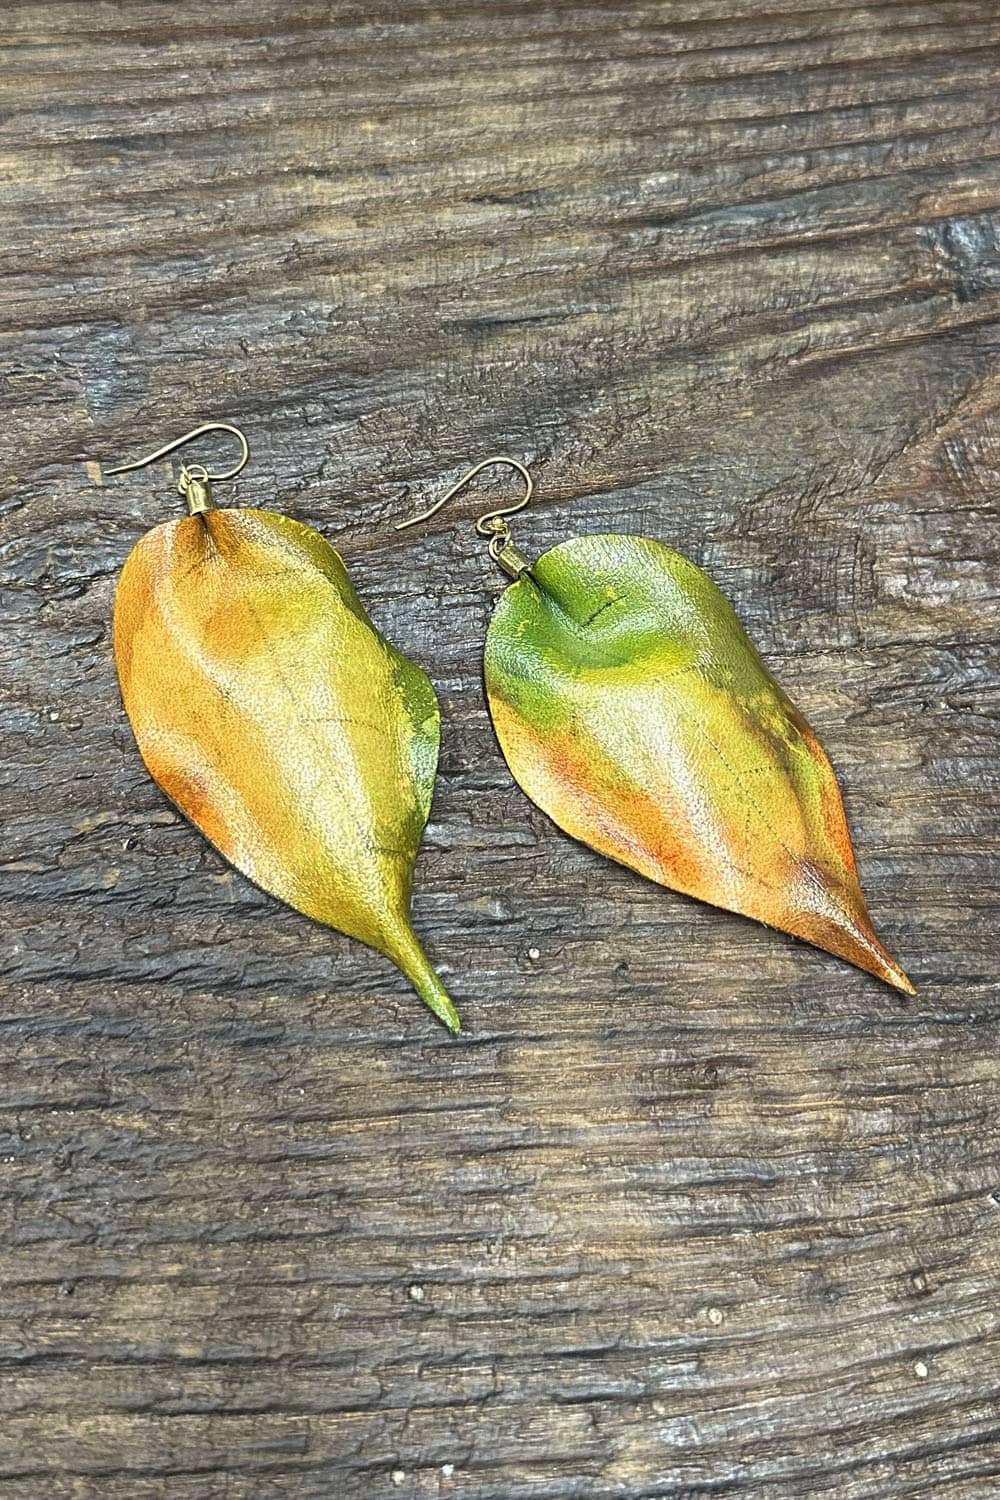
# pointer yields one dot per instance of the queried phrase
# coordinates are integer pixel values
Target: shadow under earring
(633, 709)
(270, 710)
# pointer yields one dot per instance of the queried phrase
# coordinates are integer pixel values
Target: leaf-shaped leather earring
(270, 710)
(632, 708)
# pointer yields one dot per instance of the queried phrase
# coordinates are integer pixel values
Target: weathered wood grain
(690, 1210)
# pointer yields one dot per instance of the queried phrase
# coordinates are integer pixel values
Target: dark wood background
(690, 1209)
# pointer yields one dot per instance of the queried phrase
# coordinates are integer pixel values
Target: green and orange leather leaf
(270, 710)
(633, 709)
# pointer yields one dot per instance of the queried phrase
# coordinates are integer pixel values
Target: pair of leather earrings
(628, 701)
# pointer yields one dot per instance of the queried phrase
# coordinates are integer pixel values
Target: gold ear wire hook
(494, 522)
(482, 525)
(196, 432)
(195, 483)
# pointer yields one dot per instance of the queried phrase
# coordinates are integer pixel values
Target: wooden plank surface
(690, 1209)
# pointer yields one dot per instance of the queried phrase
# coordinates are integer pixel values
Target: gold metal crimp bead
(197, 491)
(510, 558)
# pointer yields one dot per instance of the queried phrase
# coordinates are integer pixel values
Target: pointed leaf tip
(437, 1000)
(407, 954)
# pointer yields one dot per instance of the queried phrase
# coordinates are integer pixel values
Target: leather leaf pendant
(270, 710)
(632, 708)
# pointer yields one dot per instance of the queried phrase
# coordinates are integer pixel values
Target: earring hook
(493, 522)
(150, 458)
